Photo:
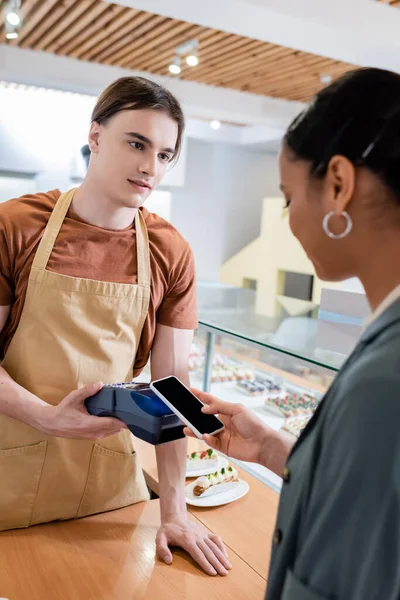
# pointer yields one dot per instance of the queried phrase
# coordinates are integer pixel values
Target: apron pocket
(114, 481)
(20, 471)
(294, 589)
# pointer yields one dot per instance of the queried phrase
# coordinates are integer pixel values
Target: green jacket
(338, 526)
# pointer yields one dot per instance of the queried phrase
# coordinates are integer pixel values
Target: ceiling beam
(199, 100)
(361, 32)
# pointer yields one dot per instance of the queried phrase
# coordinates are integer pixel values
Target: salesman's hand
(243, 436)
(70, 419)
(206, 549)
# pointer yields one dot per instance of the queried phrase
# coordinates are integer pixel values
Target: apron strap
(54, 225)
(143, 251)
(52, 230)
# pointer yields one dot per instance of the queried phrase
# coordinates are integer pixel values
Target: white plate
(222, 462)
(235, 493)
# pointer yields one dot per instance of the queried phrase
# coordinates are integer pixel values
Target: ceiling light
(189, 50)
(13, 18)
(192, 60)
(12, 12)
(326, 79)
(175, 66)
(12, 35)
(215, 125)
(174, 69)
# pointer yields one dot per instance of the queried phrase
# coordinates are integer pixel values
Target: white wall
(216, 189)
(13, 187)
(43, 130)
(219, 208)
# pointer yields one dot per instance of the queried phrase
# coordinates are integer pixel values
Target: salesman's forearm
(18, 403)
(171, 465)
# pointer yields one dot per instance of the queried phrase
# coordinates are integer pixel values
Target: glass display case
(272, 366)
(281, 385)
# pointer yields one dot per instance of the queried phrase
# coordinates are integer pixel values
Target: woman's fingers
(214, 405)
(188, 432)
(202, 396)
(214, 441)
(218, 407)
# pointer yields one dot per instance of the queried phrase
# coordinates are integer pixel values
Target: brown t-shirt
(89, 252)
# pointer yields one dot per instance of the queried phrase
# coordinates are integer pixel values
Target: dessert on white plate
(205, 459)
(215, 482)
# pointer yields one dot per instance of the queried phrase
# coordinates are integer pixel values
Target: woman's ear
(94, 135)
(341, 177)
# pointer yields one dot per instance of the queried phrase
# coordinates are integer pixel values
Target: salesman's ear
(94, 137)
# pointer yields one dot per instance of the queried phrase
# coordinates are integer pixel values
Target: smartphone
(186, 406)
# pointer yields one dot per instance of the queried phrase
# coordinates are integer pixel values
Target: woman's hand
(244, 435)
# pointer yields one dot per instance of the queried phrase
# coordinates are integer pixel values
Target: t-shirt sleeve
(353, 512)
(179, 307)
(6, 270)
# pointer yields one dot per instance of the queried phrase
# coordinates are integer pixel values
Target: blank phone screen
(187, 404)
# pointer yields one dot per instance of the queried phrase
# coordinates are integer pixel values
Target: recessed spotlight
(12, 35)
(13, 18)
(174, 69)
(326, 79)
(192, 60)
(175, 66)
(215, 125)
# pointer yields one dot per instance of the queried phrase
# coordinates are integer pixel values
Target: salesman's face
(131, 154)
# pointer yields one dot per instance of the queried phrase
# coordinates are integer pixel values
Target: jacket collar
(385, 320)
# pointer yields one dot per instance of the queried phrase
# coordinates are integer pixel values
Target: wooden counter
(246, 525)
(111, 557)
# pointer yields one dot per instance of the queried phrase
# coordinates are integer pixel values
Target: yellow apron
(72, 332)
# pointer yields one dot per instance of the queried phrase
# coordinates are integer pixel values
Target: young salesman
(91, 285)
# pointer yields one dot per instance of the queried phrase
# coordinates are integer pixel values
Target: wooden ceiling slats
(206, 38)
(230, 47)
(38, 12)
(225, 62)
(127, 24)
(221, 71)
(214, 60)
(83, 40)
(131, 39)
(111, 34)
(155, 64)
(161, 25)
(26, 7)
(50, 41)
(284, 68)
(285, 71)
(301, 89)
(139, 58)
(256, 58)
(51, 33)
(80, 23)
(46, 24)
(88, 44)
(314, 79)
(154, 43)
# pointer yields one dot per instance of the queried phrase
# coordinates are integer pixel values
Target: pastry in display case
(282, 387)
(295, 425)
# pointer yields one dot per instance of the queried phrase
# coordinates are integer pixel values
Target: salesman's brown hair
(138, 93)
